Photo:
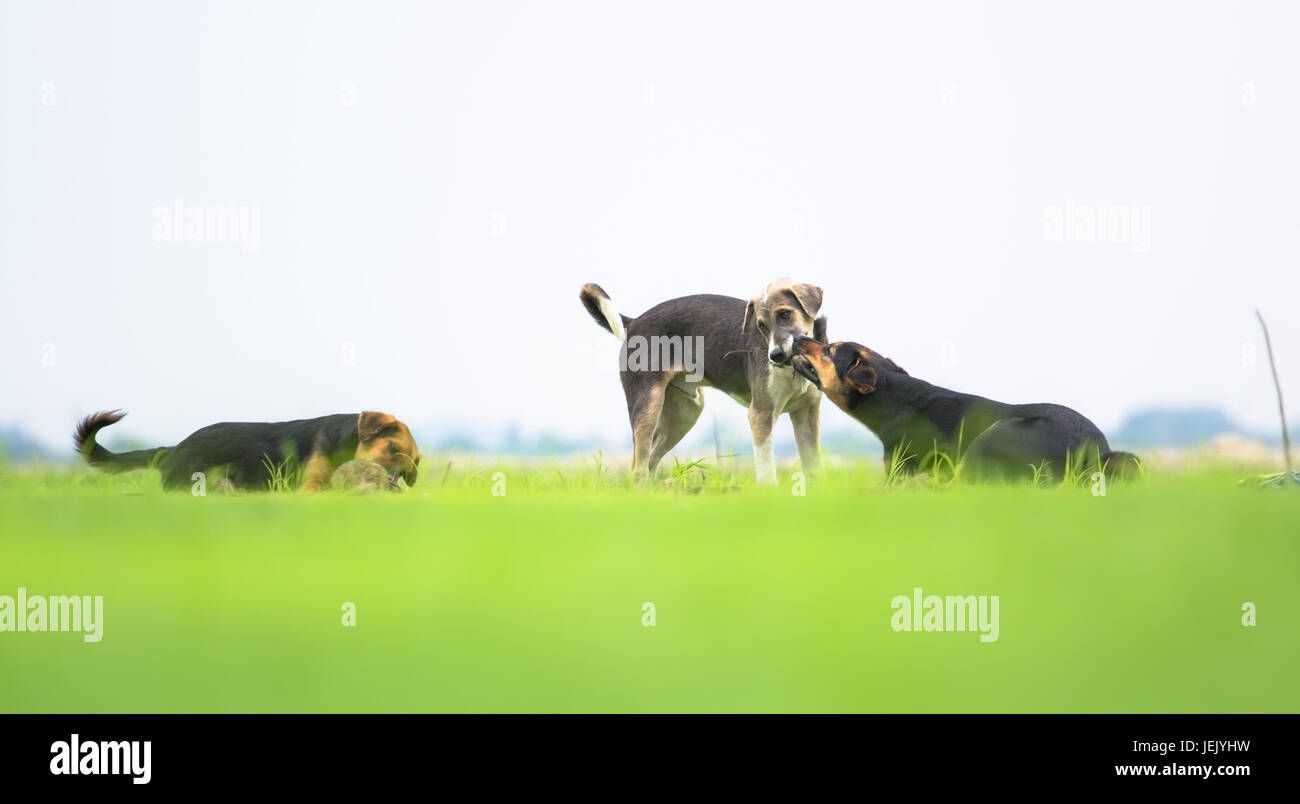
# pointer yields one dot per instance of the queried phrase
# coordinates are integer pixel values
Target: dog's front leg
(761, 423)
(316, 472)
(807, 436)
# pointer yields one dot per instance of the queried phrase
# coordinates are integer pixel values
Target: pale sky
(433, 182)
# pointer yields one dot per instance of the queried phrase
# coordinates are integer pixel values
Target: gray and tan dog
(741, 348)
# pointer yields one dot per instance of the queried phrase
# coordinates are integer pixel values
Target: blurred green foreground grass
(765, 601)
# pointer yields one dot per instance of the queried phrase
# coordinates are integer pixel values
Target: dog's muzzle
(408, 470)
(783, 349)
(801, 362)
(803, 367)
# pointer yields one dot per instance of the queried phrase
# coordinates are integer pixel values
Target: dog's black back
(717, 320)
(246, 448)
(907, 409)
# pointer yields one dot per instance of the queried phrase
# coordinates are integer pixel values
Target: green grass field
(764, 600)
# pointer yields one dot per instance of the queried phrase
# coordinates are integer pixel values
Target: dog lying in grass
(992, 440)
(260, 455)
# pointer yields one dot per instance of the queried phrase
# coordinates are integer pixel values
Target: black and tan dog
(254, 453)
(994, 440)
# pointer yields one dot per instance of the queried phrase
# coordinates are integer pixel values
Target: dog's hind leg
(1015, 449)
(177, 469)
(178, 477)
(682, 408)
(644, 409)
(1121, 465)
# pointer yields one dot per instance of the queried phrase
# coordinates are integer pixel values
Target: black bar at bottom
(245, 752)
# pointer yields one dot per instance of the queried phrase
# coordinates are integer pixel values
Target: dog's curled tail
(601, 308)
(1121, 465)
(100, 458)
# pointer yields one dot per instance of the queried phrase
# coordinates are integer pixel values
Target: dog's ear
(819, 329)
(884, 362)
(371, 423)
(861, 377)
(809, 297)
(751, 316)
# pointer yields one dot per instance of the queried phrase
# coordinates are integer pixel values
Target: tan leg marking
(316, 472)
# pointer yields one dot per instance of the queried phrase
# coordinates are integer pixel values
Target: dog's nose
(776, 356)
(801, 345)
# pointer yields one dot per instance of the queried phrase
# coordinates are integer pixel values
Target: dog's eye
(783, 315)
(392, 448)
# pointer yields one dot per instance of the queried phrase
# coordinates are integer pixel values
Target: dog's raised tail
(100, 458)
(601, 308)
